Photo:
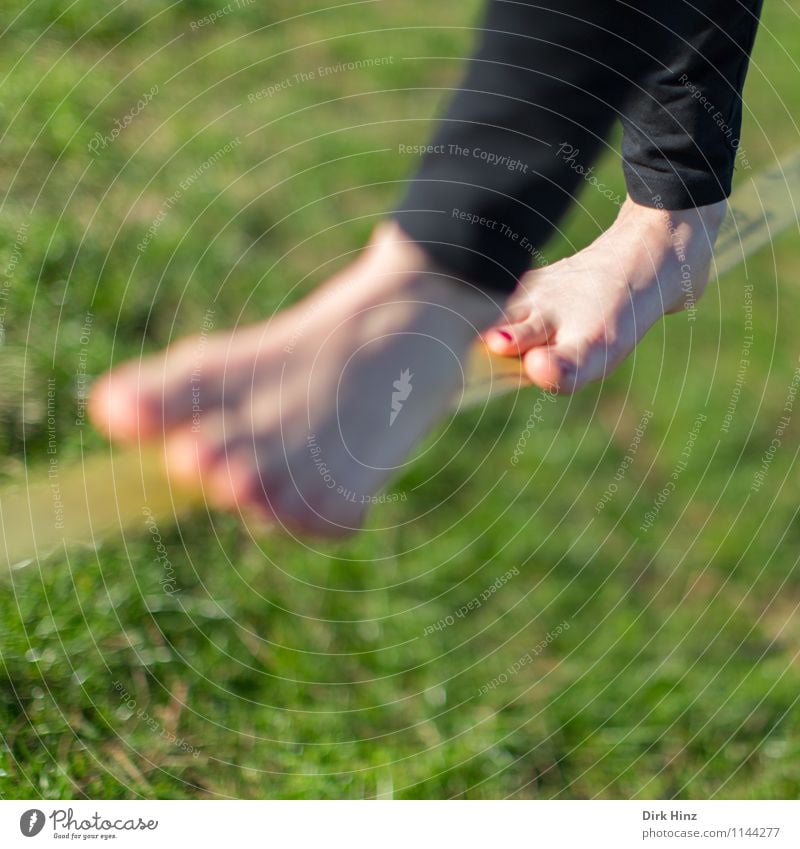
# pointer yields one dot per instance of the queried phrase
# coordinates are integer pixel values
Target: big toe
(122, 408)
(145, 398)
(569, 365)
(552, 368)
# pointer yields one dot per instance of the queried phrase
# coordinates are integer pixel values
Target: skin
(575, 321)
(295, 422)
(294, 412)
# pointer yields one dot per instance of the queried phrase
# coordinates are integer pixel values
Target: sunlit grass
(283, 671)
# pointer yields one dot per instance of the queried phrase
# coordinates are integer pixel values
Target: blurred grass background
(281, 671)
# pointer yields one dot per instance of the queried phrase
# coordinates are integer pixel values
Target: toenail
(506, 335)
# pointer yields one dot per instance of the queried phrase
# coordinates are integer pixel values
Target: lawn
(162, 168)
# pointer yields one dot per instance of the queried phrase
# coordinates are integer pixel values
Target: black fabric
(537, 102)
(683, 119)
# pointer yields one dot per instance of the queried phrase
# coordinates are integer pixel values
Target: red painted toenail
(506, 335)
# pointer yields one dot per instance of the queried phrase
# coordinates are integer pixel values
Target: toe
(569, 365)
(515, 338)
(552, 368)
(191, 456)
(119, 409)
(141, 400)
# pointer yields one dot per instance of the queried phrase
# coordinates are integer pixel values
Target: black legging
(539, 97)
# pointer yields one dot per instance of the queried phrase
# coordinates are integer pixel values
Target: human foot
(575, 321)
(303, 417)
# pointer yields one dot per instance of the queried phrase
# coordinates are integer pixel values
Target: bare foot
(575, 321)
(302, 418)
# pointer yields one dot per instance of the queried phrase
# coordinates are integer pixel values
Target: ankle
(702, 220)
(393, 267)
(687, 235)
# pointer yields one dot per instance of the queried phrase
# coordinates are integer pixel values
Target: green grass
(286, 671)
